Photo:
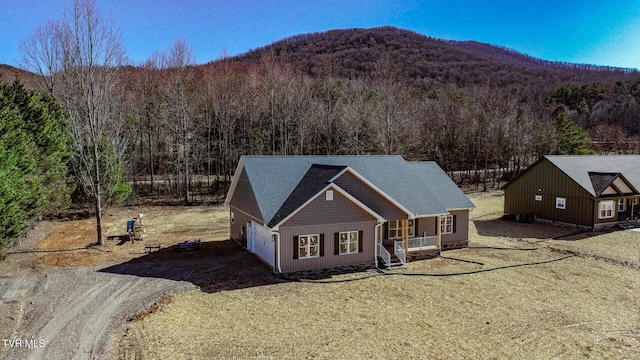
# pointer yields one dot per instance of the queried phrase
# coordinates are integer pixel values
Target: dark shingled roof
(421, 187)
(601, 181)
(312, 182)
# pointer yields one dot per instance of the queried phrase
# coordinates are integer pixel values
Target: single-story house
(591, 191)
(300, 213)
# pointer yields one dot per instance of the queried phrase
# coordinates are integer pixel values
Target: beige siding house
(300, 213)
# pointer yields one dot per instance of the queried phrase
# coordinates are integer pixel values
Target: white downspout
(277, 234)
(376, 232)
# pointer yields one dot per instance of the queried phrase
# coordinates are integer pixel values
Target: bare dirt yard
(528, 291)
(73, 298)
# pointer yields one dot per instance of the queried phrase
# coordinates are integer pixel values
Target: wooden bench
(151, 246)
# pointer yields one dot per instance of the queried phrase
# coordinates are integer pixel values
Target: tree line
(199, 120)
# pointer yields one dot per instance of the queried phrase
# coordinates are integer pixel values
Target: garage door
(262, 243)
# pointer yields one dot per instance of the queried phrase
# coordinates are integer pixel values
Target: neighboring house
(587, 190)
(300, 213)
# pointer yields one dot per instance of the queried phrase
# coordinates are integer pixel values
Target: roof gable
(315, 180)
(609, 191)
(331, 186)
(623, 186)
(613, 184)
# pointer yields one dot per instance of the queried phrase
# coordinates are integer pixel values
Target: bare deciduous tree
(80, 56)
(179, 62)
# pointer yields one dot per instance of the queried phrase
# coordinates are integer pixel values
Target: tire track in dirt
(91, 338)
(77, 311)
(12, 301)
(64, 316)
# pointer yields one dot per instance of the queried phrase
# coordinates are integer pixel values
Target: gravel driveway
(74, 312)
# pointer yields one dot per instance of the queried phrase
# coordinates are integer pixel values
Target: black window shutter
(385, 229)
(415, 227)
(454, 223)
(360, 242)
(437, 224)
(336, 243)
(296, 247)
(321, 244)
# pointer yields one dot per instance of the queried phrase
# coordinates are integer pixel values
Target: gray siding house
(591, 191)
(300, 213)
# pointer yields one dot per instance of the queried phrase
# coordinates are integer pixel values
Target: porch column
(438, 235)
(405, 234)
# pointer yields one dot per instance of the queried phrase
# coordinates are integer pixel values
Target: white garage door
(262, 243)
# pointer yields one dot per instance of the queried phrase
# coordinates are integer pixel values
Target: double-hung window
(308, 246)
(622, 205)
(348, 242)
(395, 229)
(446, 224)
(561, 203)
(606, 209)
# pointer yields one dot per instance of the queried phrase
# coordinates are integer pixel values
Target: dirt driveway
(73, 312)
(59, 304)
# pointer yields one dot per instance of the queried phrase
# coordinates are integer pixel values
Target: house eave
(462, 209)
(234, 182)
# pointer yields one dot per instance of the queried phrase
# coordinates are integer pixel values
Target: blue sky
(583, 31)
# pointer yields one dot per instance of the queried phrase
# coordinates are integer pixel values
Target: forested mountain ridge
(9, 73)
(428, 62)
(466, 105)
(425, 62)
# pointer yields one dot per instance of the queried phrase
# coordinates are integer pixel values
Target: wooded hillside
(466, 105)
(427, 62)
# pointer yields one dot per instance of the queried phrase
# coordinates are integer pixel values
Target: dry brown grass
(580, 307)
(617, 246)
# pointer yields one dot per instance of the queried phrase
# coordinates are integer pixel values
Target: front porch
(623, 212)
(416, 248)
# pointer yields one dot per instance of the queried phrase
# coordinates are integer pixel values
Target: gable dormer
(611, 184)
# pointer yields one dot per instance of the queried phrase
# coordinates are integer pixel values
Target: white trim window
(561, 203)
(446, 224)
(635, 201)
(348, 242)
(622, 205)
(605, 209)
(329, 195)
(308, 246)
(395, 229)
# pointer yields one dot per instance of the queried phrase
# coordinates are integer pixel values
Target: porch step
(626, 225)
(394, 264)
